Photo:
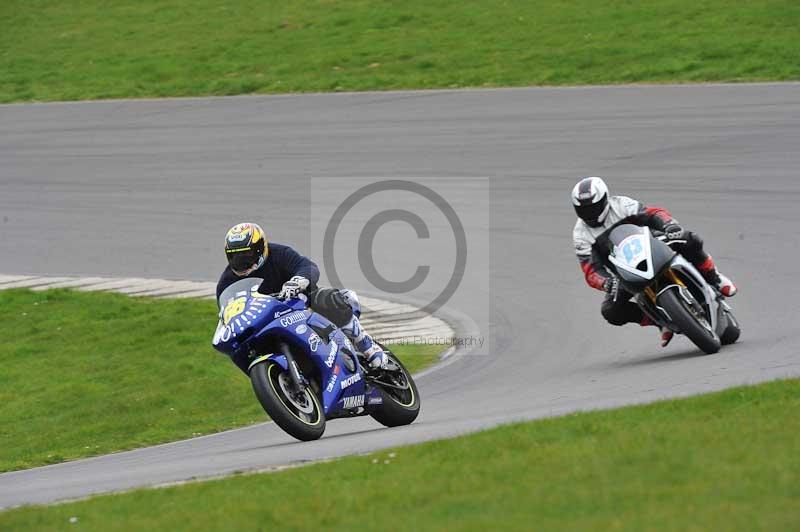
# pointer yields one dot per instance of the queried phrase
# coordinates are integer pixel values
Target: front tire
(302, 416)
(687, 322)
(400, 396)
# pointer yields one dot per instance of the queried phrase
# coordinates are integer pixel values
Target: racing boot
(726, 286)
(376, 357)
(666, 334)
(716, 279)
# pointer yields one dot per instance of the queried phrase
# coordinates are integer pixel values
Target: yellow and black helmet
(245, 248)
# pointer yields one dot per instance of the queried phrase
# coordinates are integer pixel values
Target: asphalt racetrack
(147, 189)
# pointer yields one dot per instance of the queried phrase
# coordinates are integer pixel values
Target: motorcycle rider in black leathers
(597, 213)
(285, 272)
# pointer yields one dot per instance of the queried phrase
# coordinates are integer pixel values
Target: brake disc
(285, 383)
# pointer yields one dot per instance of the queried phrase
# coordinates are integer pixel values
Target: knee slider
(694, 243)
(351, 298)
(612, 315)
(330, 303)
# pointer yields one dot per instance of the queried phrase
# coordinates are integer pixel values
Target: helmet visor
(591, 212)
(242, 260)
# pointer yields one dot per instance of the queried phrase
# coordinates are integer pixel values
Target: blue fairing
(247, 317)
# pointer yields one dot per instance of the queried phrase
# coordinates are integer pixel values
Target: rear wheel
(399, 393)
(690, 320)
(732, 329)
(298, 413)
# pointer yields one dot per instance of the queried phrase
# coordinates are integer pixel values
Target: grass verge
(85, 374)
(55, 50)
(723, 461)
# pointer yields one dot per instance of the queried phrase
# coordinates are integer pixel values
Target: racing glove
(293, 287)
(673, 231)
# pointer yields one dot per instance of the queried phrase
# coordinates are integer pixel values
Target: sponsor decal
(332, 382)
(239, 232)
(301, 328)
(281, 313)
(349, 381)
(293, 318)
(376, 400)
(313, 341)
(332, 355)
(354, 401)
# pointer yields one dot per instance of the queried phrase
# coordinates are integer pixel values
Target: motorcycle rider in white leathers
(597, 212)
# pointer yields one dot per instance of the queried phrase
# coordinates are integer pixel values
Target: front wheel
(690, 320)
(298, 413)
(399, 392)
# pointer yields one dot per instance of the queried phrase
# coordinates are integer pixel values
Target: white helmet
(590, 199)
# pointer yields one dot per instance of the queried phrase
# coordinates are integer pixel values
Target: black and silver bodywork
(669, 288)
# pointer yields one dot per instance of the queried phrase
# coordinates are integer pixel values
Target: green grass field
(91, 373)
(724, 461)
(57, 50)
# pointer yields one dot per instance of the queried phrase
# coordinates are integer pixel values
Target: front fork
(652, 292)
(300, 382)
(673, 279)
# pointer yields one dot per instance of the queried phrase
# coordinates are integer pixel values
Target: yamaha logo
(353, 402)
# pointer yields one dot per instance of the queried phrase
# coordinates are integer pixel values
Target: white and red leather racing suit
(617, 308)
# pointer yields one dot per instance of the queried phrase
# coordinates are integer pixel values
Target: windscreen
(245, 285)
(621, 232)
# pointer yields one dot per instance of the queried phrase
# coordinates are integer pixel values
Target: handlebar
(300, 296)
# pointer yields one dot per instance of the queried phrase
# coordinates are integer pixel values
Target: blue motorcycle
(303, 368)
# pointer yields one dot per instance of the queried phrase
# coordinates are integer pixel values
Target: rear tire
(305, 422)
(399, 407)
(732, 330)
(683, 317)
